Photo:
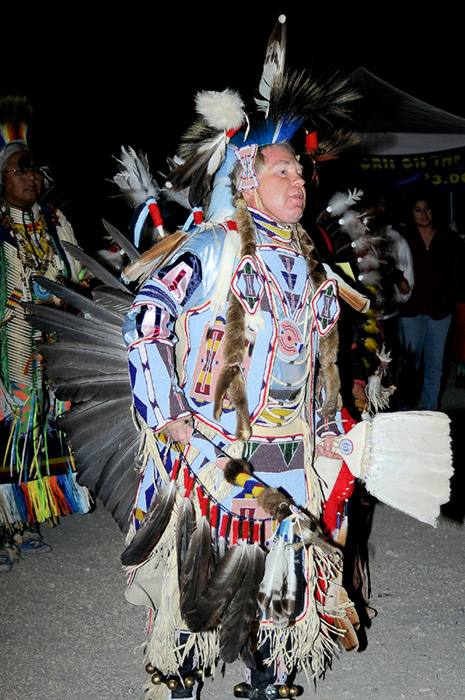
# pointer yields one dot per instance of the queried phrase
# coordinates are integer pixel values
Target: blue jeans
(421, 337)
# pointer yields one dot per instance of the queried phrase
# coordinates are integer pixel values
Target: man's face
(21, 191)
(280, 186)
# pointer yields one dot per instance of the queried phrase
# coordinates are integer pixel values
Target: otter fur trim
(231, 379)
(275, 502)
(327, 345)
(235, 467)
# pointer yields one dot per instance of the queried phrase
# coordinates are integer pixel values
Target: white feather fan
(404, 459)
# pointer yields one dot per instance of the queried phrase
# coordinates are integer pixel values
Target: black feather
(104, 386)
(69, 327)
(197, 566)
(152, 526)
(100, 272)
(115, 299)
(184, 530)
(64, 360)
(78, 301)
(240, 613)
(121, 240)
(224, 582)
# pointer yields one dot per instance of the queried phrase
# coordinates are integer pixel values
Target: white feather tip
(221, 110)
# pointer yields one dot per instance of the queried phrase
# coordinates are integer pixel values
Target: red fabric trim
(342, 489)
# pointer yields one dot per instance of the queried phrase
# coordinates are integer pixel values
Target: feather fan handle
(238, 472)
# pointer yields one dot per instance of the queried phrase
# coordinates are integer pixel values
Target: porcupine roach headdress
(288, 102)
(15, 115)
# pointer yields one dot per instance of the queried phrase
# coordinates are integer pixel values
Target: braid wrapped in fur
(231, 379)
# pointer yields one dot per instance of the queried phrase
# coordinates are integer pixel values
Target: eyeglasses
(22, 173)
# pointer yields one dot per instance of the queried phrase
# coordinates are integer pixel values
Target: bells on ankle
(271, 692)
(172, 682)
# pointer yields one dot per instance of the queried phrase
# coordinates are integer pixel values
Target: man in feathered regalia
(37, 479)
(238, 450)
(232, 346)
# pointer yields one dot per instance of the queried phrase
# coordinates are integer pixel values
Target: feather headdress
(287, 101)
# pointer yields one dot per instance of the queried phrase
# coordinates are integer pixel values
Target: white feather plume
(352, 222)
(271, 587)
(368, 262)
(341, 201)
(221, 110)
(134, 179)
(370, 278)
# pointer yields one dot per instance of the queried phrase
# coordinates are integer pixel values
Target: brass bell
(172, 684)
(150, 668)
(157, 678)
(189, 682)
(239, 688)
(293, 691)
(284, 691)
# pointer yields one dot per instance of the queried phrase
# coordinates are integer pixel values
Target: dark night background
(129, 76)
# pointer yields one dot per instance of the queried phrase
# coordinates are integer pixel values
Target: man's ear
(249, 196)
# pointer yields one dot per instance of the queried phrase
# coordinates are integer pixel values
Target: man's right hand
(179, 430)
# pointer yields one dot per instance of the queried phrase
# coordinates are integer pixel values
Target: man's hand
(324, 449)
(179, 430)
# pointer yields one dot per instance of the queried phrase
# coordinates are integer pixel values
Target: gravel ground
(68, 633)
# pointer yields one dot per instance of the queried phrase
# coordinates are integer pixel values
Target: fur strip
(231, 379)
(235, 467)
(275, 502)
(328, 345)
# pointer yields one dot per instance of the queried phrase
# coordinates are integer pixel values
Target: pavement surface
(67, 632)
